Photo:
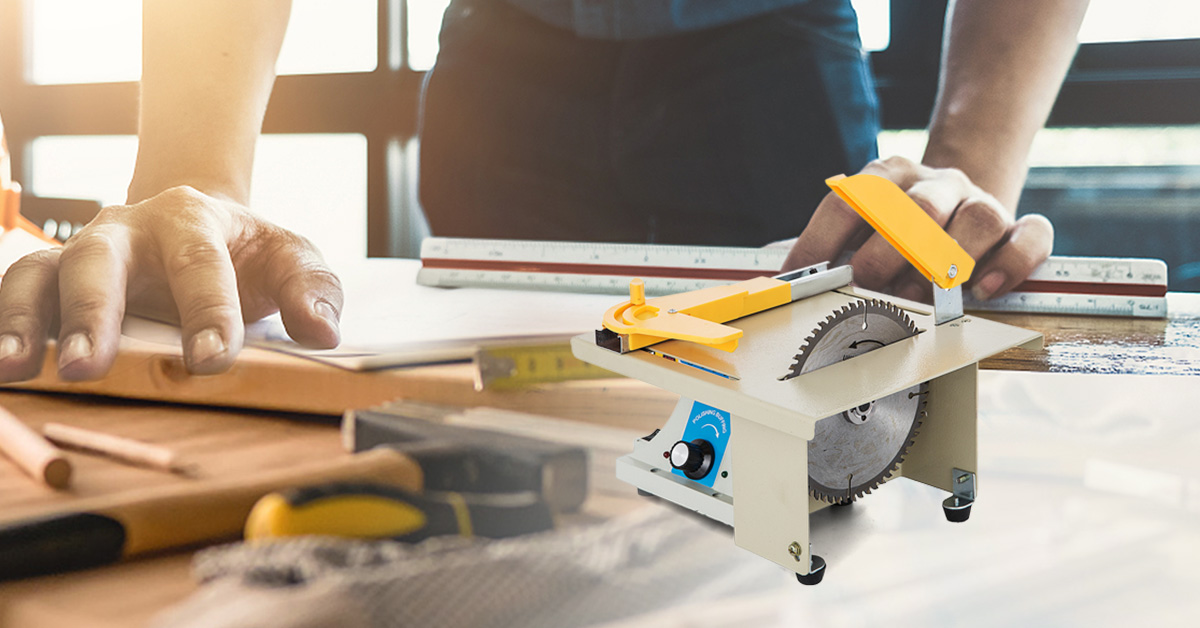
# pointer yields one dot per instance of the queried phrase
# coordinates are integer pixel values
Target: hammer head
(471, 460)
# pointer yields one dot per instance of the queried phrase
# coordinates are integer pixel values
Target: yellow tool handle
(906, 227)
(348, 510)
(181, 515)
(370, 510)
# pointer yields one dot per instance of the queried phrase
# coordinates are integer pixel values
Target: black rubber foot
(957, 509)
(646, 494)
(815, 574)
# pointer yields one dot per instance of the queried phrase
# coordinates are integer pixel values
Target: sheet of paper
(17, 243)
(388, 320)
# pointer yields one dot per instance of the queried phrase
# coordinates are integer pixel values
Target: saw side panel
(948, 437)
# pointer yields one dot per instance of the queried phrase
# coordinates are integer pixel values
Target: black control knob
(694, 458)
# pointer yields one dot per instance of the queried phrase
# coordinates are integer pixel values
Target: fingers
(836, 227)
(832, 227)
(1006, 251)
(201, 276)
(307, 292)
(877, 263)
(978, 224)
(1029, 243)
(93, 269)
(28, 304)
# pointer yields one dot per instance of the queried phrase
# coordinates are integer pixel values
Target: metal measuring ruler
(1097, 286)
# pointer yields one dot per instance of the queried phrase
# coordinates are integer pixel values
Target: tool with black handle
(405, 451)
(368, 510)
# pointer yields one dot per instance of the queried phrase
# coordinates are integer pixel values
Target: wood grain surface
(268, 380)
(222, 444)
(262, 379)
(1097, 344)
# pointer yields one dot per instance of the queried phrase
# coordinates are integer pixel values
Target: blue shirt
(640, 19)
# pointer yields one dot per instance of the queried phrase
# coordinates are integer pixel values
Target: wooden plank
(220, 443)
(262, 379)
(122, 596)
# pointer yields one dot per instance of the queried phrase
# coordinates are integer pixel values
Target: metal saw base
(773, 420)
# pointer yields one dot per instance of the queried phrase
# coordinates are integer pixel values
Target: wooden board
(221, 443)
(262, 379)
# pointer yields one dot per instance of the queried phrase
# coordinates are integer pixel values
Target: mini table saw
(821, 392)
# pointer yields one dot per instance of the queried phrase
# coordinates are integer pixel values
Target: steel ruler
(1062, 285)
(1097, 286)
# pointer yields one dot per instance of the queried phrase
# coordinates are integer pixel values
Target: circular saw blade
(853, 452)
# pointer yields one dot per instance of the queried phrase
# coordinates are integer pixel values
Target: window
(69, 101)
(83, 41)
(424, 21)
(1147, 20)
(352, 70)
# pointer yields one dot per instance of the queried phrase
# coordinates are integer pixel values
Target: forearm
(1003, 64)
(207, 73)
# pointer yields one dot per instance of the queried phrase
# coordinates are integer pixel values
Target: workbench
(1081, 516)
(224, 443)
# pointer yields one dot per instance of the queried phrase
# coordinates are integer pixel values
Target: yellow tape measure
(508, 367)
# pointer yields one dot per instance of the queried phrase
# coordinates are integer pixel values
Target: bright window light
(325, 37)
(1108, 146)
(424, 22)
(95, 167)
(85, 41)
(874, 23)
(1122, 20)
(313, 184)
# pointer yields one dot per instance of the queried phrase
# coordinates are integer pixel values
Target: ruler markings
(1083, 287)
(1068, 285)
(550, 268)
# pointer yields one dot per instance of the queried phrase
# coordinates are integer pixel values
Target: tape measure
(508, 367)
(1096, 286)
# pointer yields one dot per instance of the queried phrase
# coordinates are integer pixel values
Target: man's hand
(1005, 250)
(179, 256)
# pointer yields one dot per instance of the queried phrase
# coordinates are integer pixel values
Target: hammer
(402, 452)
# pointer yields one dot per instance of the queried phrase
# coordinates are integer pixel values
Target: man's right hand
(181, 256)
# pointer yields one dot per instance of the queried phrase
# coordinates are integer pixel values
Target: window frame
(383, 104)
(1096, 91)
